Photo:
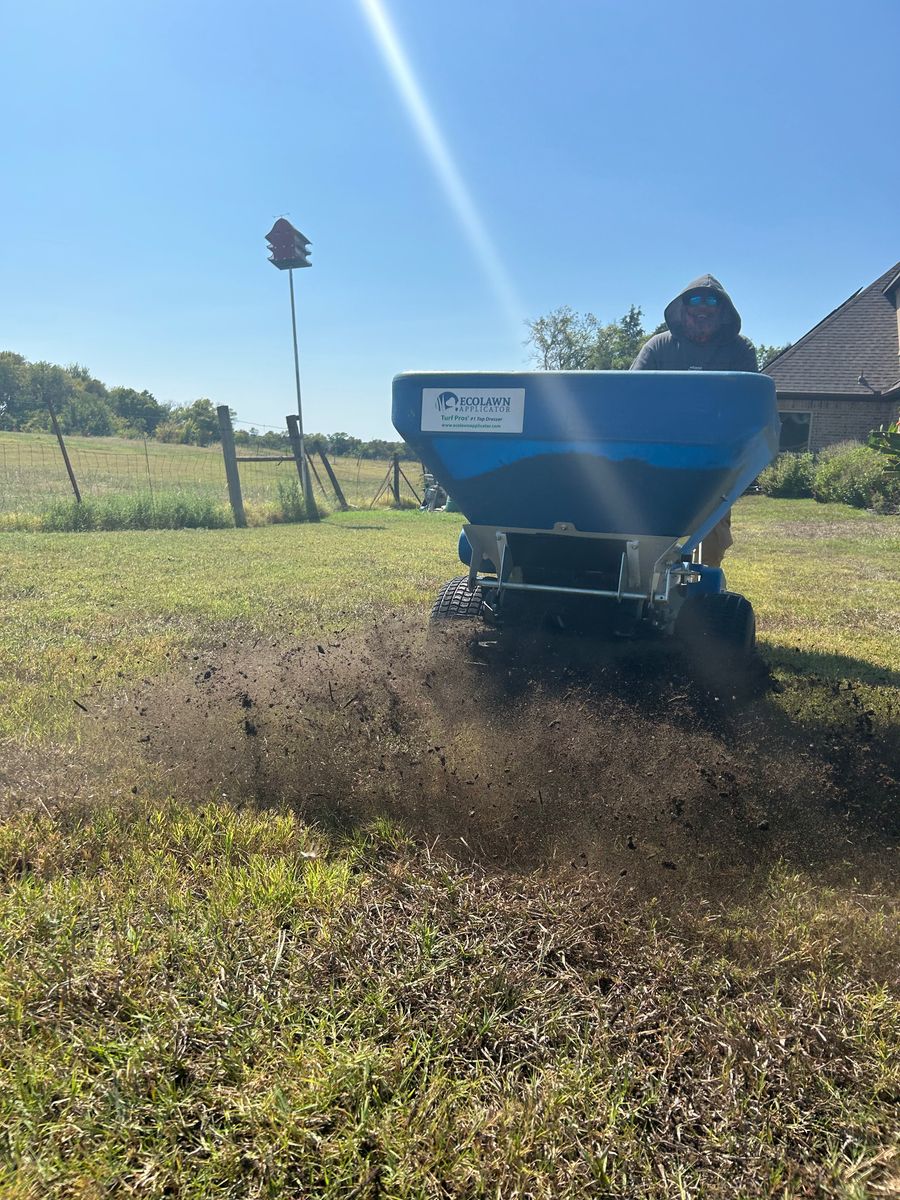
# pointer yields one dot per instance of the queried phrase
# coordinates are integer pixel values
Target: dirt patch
(546, 752)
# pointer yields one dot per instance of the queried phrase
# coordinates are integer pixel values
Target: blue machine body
(661, 454)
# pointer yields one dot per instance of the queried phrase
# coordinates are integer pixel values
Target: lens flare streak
(442, 161)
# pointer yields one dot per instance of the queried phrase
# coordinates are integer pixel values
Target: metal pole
(312, 513)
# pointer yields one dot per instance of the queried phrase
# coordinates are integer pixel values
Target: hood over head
(731, 323)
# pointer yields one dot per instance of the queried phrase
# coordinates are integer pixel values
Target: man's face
(702, 316)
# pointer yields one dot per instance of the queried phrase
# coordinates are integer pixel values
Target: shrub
(887, 443)
(850, 473)
(66, 516)
(290, 501)
(137, 510)
(790, 475)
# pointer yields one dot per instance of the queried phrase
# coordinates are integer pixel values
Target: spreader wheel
(456, 603)
(718, 623)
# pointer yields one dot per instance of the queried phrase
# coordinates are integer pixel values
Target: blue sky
(594, 153)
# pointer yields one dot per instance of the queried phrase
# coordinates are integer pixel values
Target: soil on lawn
(547, 752)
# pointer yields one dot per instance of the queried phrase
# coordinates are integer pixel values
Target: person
(703, 334)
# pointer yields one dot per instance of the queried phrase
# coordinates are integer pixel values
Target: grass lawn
(32, 472)
(250, 995)
(91, 609)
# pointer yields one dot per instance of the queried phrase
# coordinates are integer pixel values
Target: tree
(17, 396)
(136, 412)
(379, 448)
(343, 445)
(80, 401)
(83, 381)
(201, 423)
(618, 343)
(765, 354)
(50, 383)
(194, 424)
(565, 340)
(86, 413)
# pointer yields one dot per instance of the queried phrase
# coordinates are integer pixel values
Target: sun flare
(438, 152)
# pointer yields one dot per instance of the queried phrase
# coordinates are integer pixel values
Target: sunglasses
(708, 300)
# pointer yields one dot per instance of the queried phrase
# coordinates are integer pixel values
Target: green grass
(33, 475)
(824, 582)
(87, 610)
(202, 998)
(136, 510)
(822, 578)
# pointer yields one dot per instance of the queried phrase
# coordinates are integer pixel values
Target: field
(296, 905)
(32, 472)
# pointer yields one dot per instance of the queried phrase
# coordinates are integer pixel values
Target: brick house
(842, 379)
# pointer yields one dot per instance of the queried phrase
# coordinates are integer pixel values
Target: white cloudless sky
(459, 168)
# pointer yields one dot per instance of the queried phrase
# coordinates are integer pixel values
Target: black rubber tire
(456, 603)
(718, 622)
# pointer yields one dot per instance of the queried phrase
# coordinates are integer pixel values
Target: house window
(794, 431)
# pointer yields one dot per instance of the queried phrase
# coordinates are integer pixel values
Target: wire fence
(33, 473)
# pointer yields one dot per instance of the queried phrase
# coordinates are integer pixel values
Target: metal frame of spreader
(612, 430)
(653, 570)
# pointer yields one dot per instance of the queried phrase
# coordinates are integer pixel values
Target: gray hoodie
(673, 351)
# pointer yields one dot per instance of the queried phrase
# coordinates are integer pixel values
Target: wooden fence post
(384, 484)
(334, 482)
(293, 424)
(410, 486)
(312, 467)
(396, 484)
(62, 446)
(231, 467)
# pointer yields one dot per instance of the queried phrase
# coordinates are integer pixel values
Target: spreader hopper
(591, 484)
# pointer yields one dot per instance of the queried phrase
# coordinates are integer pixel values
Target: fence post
(312, 466)
(62, 446)
(334, 482)
(396, 484)
(231, 467)
(410, 486)
(384, 484)
(293, 424)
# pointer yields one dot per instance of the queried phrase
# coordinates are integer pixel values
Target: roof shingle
(859, 338)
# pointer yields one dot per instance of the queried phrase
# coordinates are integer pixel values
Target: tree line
(566, 340)
(561, 340)
(85, 406)
(333, 444)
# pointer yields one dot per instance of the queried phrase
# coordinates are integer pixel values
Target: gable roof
(859, 338)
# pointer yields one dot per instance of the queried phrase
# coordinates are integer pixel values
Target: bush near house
(850, 473)
(789, 476)
(846, 473)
